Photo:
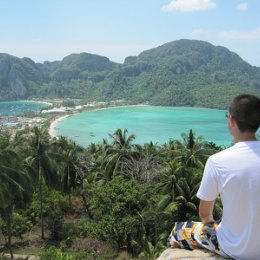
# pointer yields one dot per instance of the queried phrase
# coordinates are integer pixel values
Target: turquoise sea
(148, 123)
(15, 108)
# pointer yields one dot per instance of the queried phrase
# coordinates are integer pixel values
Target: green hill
(179, 73)
(192, 73)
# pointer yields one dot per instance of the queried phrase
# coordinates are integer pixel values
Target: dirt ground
(31, 244)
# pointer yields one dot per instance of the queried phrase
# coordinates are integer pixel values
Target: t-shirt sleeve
(208, 189)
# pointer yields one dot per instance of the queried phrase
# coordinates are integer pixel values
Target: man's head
(245, 109)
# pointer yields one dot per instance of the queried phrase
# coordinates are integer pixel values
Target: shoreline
(54, 121)
(53, 132)
(104, 108)
(31, 101)
(40, 101)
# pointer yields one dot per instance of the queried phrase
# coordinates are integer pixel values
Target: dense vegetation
(95, 202)
(179, 73)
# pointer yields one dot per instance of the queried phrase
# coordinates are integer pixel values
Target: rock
(183, 254)
(22, 257)
(18, 76)
(16, 81)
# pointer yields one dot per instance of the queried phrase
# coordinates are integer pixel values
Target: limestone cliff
(17, 76)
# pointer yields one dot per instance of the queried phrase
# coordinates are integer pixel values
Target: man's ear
(233, 122)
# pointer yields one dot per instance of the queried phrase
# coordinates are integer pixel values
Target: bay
(15, 108)
(148, 123)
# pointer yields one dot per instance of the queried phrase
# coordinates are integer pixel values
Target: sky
(52, 29)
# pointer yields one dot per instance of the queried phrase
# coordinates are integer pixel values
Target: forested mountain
(179, 73)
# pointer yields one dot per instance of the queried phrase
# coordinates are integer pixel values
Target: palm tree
(178, 187)
(121, 140)
(37, 145)
(72, 164)
(86, 191)
(97, 154)
(193, 150)
(186, 198)
(172, 150)
(168, 186)
(181, 179)
(148, 149)
(5, 139)
(120, 148)
(149, 251)
(15, 188)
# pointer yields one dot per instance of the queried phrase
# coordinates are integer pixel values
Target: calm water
(15, 108)
(148, 123)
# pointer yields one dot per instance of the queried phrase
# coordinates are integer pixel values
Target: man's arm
(206, 211)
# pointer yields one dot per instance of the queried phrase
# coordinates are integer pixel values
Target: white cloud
(242, 7)
(200, 32)
(188, 5)
(240, 35)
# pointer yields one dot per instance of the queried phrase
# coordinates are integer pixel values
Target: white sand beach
(124, 106)
(53, 124)
(39, 101)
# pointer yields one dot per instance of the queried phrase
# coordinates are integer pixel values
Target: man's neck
(245, 137)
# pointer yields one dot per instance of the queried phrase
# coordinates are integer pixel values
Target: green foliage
(72, 164)
(3, 256)
(55, 253)
(150, 252)
(54, 207)
(68, 103)
(89, 252)
(15, 189)
(29, 113)
(15, 185)
(117, 206)
(20, 225)
(53, 202)
(127, 195)
(5, 139)
(90, 228)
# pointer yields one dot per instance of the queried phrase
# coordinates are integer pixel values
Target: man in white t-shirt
(234, 174)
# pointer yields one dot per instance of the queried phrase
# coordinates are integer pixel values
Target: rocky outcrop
(18, 76)
(183, 254)
(16, 81)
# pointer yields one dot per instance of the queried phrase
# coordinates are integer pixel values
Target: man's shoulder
(224, 153)
(237, 150)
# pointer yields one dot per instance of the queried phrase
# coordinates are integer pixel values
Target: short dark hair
(245, 109)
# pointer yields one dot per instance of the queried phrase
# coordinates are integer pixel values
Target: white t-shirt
(235, 174)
